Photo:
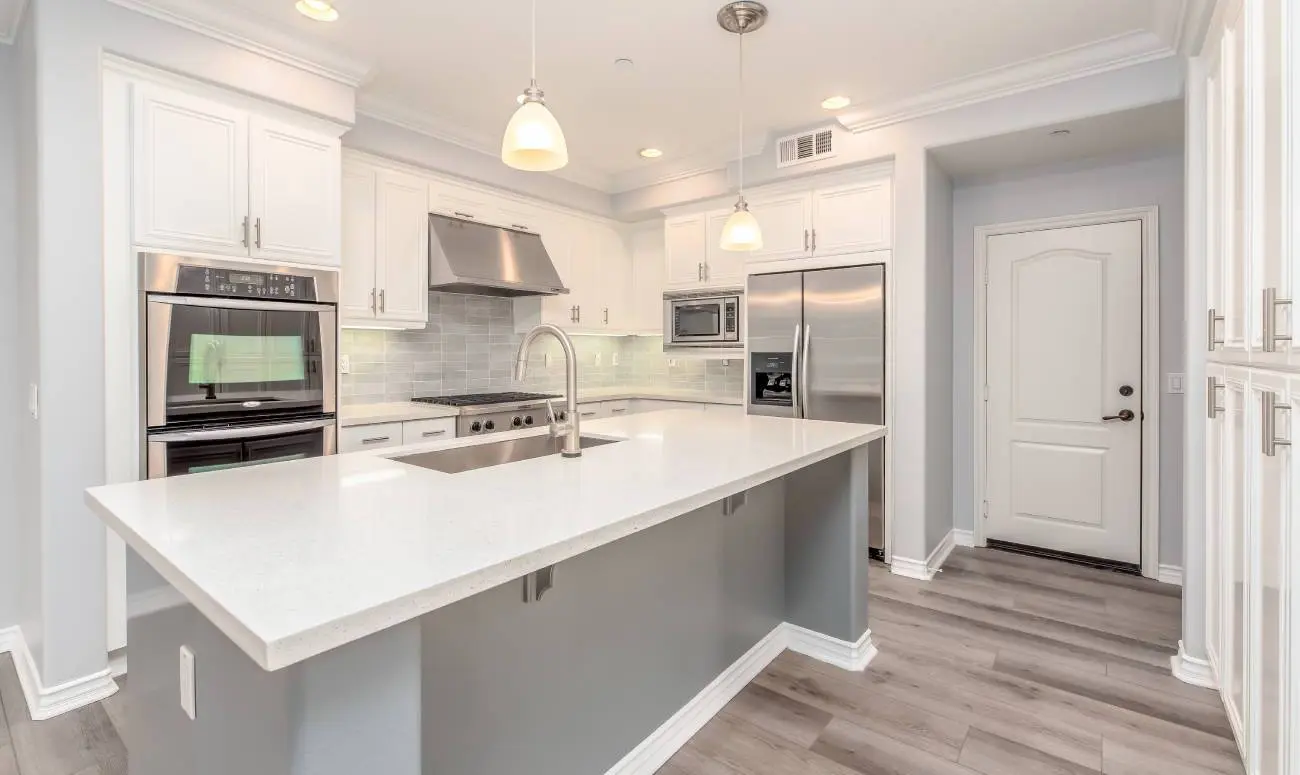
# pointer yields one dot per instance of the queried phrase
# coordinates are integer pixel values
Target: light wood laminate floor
(1003, 665)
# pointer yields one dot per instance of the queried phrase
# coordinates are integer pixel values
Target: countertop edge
(433, 412)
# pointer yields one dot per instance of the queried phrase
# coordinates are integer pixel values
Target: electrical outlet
(597, 359)
(34, 401)
(345, 364)
(613, 359)
(187, 682)
(1175, 384)
(672, 363)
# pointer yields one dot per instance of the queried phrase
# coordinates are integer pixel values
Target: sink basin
(458, 459)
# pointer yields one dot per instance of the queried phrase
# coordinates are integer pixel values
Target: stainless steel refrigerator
(816, 344)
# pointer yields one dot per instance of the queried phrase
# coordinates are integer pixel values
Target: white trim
(46, 702)
(1126, 50)
(223, 22)
(963, 537)
(854, 656)
(655, 751)
(1151, 381)
(1170, 574)
(925, 570)
(117, 664)
(1191, 670)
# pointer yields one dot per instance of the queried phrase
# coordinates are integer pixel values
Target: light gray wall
(9, 403)
(938, 355)
(1075, 188)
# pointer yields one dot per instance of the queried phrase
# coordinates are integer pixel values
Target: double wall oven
(239, 363)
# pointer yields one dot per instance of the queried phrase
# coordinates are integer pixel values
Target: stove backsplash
(470, 344)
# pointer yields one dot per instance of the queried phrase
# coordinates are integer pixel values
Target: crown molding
(1189, 25)
(11, 19)
(428, 125)
(1114, 53)
(219, 22)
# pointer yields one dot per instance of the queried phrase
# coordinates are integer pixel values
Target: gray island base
(635, 646)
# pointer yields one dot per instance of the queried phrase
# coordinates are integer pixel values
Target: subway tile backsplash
(469, 346)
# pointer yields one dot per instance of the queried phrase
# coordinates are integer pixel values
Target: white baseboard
(117, 663)
(1170, 574)
(924, 570)
(655, 751)
(963, 537)
(1191, 670)
(46, 702)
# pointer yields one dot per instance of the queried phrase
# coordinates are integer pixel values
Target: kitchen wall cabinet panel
(190, 176)
(853, 218)
(648, 265)
(787, 223)
(294, 192)
(686, 241)
(402, 249)
(357, 290)
(612, 267)
(461, 202)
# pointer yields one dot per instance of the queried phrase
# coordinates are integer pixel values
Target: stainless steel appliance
(239, 363)
(496, 412)
(704, 319)
(817, 351)
(466, 256)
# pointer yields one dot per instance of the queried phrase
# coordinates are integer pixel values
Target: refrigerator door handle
(803, 369)
(794, 378)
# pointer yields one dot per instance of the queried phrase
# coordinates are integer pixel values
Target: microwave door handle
(794, 377)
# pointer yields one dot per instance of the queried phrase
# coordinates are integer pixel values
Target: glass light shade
(534, 140)
(741, 232)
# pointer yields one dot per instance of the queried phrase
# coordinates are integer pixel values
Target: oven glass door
(176, 458)
(697, 321)
(218, 360)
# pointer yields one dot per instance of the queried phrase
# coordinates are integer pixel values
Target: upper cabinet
(835, 219)
(385, 272)
(647, 302)
(213, 178)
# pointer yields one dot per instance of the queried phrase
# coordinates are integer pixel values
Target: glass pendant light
(533, 140)
(741, 231)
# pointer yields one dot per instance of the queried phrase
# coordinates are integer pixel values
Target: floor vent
(805, 147)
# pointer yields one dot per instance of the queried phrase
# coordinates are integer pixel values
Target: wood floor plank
(1162, 680)
(11, 692)
(871, 753)
(993, 755)
(115, 707)
(780, 714)
(8, 762)
(69, 743)
(1121, 759)
(751, 750)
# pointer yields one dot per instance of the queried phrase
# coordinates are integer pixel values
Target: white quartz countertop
(293, 559)
(398, 411)
(659, 394)
(402, 411)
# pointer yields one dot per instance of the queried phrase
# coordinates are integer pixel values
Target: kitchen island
(357, 613)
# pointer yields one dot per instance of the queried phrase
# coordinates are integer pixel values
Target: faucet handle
(551, 416)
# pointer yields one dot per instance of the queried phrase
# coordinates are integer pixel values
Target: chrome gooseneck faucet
(568, 428)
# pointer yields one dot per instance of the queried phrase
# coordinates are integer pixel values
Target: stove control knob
(475, 426)
(562, 415)
(528, 420)
(517, 421)
(489, 425)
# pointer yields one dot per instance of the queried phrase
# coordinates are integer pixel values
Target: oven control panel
(244, 284)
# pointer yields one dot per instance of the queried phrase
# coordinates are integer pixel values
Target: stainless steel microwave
(704, 319)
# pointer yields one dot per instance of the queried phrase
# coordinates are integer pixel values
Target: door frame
(1151, 379)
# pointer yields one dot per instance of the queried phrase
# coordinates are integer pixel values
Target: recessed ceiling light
(1060, 133)
(650, 153)
(623, 63)
(836, 103)
(320, 10)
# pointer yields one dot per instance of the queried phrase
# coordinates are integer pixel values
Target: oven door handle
(214, 301)
(247, 432)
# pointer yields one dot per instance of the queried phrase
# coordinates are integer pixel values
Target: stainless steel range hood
(474, 258)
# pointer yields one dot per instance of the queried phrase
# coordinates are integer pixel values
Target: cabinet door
(685, 250)
(722, 267)
(787, 225)
(1235, 291)
(358, 295)
(648, 281)
(461, 202)
(1216, 488)
(1238, 456)
(853, 218)
(294, 176)
(190, 173)
(402, 248)
(556, 231)
(614, 275)
(356, 438)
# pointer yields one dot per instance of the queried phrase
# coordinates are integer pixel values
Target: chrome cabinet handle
(1212, 406)
(699, 272)
(794, 366)
(376, 439)
(814, 241)
(805, 240)
(257, 230)
(464, 215)
(1270, 335)
(607, 316)
(1268, 409)
(706, 271)
(383, 302)
(374, 303)
(1213, 324)
(427, 434)
(1124, 414)
(521, 227)
(245, 231)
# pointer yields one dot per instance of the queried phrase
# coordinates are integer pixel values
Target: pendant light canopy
(741, 231)
(533, 140)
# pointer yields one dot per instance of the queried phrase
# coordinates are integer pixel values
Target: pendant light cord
(740, 139)
(534, 63)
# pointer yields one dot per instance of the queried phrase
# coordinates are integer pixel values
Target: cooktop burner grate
(484, 399)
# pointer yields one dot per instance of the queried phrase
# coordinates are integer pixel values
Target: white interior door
(1064, 339)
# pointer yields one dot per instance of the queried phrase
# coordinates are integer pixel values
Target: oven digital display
(247, 278)
(206, 281)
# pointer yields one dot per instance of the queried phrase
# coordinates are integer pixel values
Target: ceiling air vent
(803, 148)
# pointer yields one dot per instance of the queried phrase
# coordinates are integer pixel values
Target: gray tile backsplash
(469, 346)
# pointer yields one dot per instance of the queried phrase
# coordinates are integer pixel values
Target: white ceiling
(1148, 130)
(454, 68)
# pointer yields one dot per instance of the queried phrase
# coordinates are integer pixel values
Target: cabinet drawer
(617, 408)
(359, 437)
(592, 411)
(423, 431)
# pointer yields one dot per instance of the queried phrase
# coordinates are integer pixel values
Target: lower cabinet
(356, 438)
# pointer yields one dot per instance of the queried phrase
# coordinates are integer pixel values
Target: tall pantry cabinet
(1252, 535)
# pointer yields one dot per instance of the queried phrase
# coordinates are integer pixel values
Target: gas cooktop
(485, 399)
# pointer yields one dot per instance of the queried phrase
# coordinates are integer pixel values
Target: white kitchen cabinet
(356, 438)
(190, 176)
(357, 289)
(612, 282)
(425, 431)
(461, 202)
(787, 224)
(617, 408)
(722, 268)
(402, 249)
(592, 410)
(294, 193)
(556, 231)
(647, 303)
(659, 405)
(686, 247)
(852, 218)
(1236, 553)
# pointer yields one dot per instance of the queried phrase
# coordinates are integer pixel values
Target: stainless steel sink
(458, 459)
